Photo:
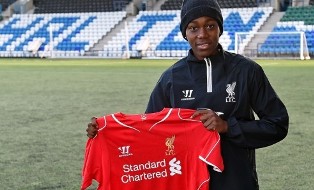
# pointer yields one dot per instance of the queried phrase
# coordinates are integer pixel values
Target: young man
(220, 81)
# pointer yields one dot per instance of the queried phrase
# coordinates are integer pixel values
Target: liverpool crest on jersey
(169, 144)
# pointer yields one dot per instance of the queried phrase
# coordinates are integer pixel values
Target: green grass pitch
(46, 105)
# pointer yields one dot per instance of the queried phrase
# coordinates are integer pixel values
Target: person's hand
(92, 128)
(211, 120)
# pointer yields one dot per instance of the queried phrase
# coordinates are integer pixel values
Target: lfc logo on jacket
(230, 91)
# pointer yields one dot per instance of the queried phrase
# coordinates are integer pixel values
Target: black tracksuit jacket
(240, 88)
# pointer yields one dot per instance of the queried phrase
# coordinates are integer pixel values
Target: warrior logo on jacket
(187, 95)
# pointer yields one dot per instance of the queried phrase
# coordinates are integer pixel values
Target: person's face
(203, 35)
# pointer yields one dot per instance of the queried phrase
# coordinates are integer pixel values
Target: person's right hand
(92, 128)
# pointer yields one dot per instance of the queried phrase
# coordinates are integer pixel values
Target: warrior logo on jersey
(170, 146)
(187, 95)
(230, 91)
(125, 151)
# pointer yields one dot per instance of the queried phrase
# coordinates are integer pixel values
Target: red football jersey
(166, 150)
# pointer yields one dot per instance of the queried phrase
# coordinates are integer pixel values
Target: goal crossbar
(272, 44)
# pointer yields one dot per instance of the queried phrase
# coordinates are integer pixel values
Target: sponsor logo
(175, 167)
(187, 95)
(144, 171)
(150, 170)
(230, 91)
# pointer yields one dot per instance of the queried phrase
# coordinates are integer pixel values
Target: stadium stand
(238, 3)
(147, 25)
(75, 6)
(162, 30)
(72, 33)
(176, 4)
(78, 26)
(6, 3)
(305, 14)
(1, 17)
(171, 5)
(295, 19)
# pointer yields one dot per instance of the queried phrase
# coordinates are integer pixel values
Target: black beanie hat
(193, 9)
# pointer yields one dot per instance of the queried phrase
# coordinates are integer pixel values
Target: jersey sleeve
(211, 153)
(95, 161)
(90, 166)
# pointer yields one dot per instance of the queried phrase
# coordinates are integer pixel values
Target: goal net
(272, 45)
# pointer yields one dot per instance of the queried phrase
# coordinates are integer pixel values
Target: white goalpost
(272, 45)
(127, 51)
(49, 48)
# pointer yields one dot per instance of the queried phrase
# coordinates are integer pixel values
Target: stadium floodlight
(272, 45)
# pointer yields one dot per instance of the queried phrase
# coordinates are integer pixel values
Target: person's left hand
(92, 128)
(211, 120)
